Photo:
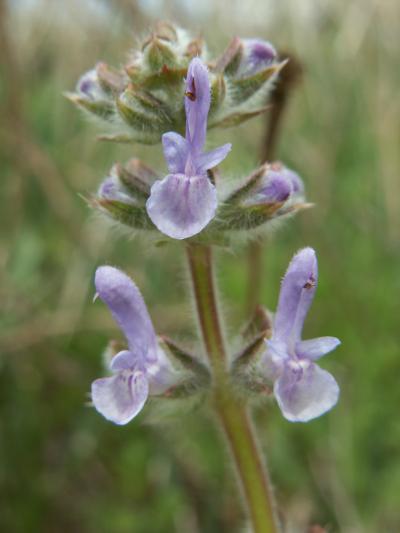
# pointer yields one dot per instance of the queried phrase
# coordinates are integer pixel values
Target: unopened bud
(257, 56)
(144, 113)
(269, 192)
(91, 96)
(245, 373)
(166, 31)
(110, 79)
(89, 86)
(157, 53)
(122, 196)
(147, 94)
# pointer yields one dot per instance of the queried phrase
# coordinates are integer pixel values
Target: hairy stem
(233, 417)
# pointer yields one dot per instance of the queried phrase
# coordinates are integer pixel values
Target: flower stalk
(233, 418)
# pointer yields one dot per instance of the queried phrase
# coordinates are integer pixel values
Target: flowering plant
(171, 86)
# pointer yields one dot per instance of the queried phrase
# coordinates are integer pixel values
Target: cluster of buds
(185, 203)
(144, 99)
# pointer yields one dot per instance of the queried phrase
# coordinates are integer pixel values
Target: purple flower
(112, 189)
(184, 202)
(303, 390)
(140, 370)
(89, 86)
(257, 55)
(278, 184)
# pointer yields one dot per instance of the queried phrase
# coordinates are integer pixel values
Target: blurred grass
(64, 468)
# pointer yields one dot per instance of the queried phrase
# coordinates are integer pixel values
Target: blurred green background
(62, 466)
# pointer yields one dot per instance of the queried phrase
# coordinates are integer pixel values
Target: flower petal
(273, 187)
(161, 376)
(197, 104)
(176, 150)
(126, 304)
(273, 360)
(316, 348)
(120, 398)
(257, 55)
(111, 189)
(296, 181)
(297, 292)
(89, 86)
(305, 393)
(182, 206)
(212, 158)
(122, 361)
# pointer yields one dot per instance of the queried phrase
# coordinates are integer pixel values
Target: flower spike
(185, 201)
(302, 389)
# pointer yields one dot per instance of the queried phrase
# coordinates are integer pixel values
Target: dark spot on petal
(192, 93)
(310, 283)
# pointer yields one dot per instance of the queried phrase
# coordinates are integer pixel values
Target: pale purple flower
(278, 184)
(184, 202)
(112, 189)
(302, 389)
(257, 56)
(89, 86)
(140, 370)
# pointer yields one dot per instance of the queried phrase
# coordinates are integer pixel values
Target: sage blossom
(185, 201)
(302, 389)
(257, 55)
(140, 370)
(278, 184)
(89, 86)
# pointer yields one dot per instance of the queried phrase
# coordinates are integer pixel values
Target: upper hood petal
(297, 292)
(126, 304)
(197, 104)
(176, 151)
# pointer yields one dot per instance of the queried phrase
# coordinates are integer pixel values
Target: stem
(233, 418)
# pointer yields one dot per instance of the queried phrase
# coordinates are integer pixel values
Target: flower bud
(245, 373)
(257, 55)
(249, 68)
(158, 53)
(91, 96)
(269, 192)
(145, 98)
(110, 80)
(146, 115)
(166, 31)
(274, 187)
(277, 184)
(89, 86)
(258, 68)
(122, 196)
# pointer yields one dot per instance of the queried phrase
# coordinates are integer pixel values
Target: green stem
(234, 419)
